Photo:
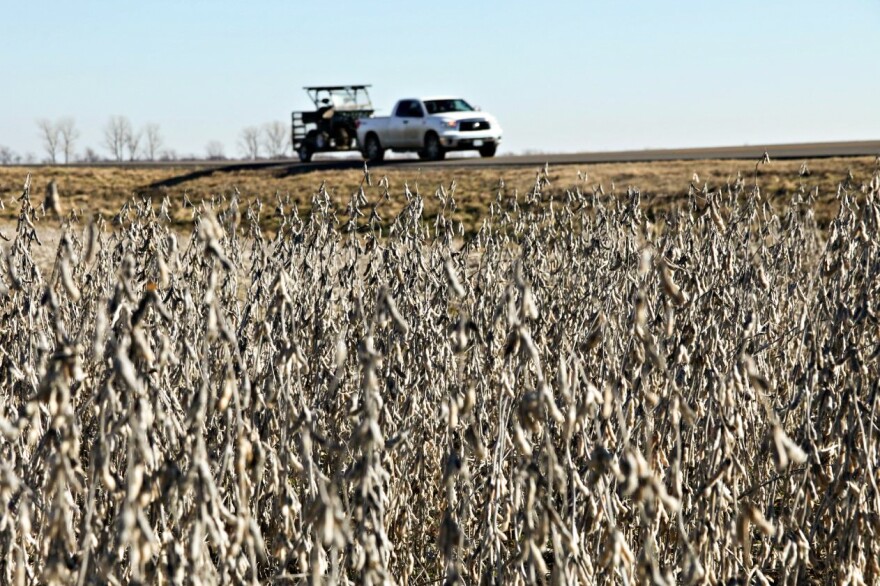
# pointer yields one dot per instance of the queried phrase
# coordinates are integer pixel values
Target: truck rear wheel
(433, 150)
(373, 151)
(304, 152)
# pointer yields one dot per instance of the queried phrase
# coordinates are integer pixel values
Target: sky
(560, 75)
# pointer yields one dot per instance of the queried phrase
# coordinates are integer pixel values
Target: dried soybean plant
(580, 392)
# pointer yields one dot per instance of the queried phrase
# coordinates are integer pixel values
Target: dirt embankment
(103, 191)
(663, 184)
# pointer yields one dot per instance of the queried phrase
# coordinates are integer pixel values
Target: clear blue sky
(561, 75)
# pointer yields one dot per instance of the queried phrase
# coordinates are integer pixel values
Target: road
(777, 151)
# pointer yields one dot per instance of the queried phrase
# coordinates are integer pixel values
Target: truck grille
(469, 125)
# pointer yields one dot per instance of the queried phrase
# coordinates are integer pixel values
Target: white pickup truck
(431, 127)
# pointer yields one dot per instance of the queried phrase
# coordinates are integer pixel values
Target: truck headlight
(449, 123)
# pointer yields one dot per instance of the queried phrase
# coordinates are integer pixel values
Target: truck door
(409, 124)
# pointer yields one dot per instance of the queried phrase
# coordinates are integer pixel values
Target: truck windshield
(441, 106)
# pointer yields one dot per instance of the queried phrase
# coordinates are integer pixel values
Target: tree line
(123, 142)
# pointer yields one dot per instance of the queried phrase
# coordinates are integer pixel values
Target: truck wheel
(433, 150)
(304, 152)
(373, 151)
(488, 150)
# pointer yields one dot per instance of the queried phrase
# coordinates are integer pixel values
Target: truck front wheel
(373, 151)
(488, 150)
(433, 150)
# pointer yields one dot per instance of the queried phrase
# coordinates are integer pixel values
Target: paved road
(778, 151)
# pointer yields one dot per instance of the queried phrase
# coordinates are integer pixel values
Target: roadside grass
(663, 185)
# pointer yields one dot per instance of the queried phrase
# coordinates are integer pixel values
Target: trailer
(332, 125)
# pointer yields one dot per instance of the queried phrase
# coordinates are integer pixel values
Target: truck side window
(409, 109)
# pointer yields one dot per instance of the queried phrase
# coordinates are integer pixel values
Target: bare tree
(275, 139)
(69, 134)
(250, 142)
(132, 143)
(153, 141)
(90, 156)
(214, 151)
(115, 133)
(7, 156)
(51, 137)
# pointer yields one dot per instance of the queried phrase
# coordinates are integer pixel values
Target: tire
(307, 146)
(322, 140)
(342, 138)
(373, 151)
(433, 150)
(488, 150)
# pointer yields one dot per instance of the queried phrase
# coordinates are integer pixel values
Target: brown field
(103, 190)
(575, 396)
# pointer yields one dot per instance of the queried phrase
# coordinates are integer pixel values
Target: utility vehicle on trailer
(332, 125)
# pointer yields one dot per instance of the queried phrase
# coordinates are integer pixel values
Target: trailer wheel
(433, 150)
(373, 151)
(304, 152)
